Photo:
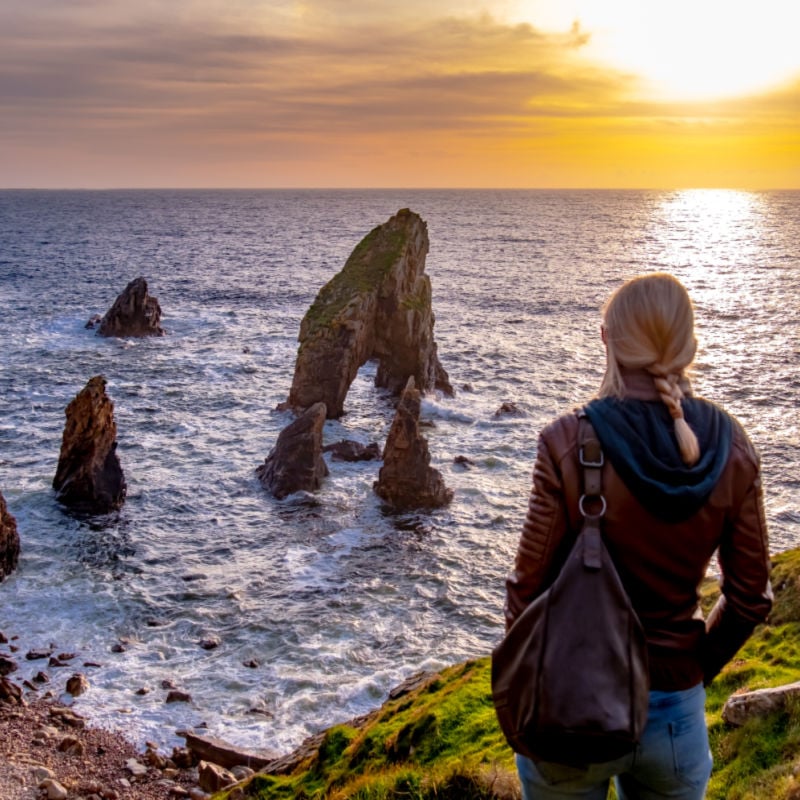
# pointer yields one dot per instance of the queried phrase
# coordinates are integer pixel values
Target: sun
(686, 49)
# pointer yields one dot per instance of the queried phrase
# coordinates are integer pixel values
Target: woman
(681, 481)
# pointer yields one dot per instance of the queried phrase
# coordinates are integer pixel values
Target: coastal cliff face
(406, 480)
(9, 541)
(134, 313)
(89, 477)
(378, 306)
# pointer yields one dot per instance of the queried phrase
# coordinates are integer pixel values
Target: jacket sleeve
(542, 534)
(746, 597)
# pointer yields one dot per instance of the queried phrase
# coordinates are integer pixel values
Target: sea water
(322, 602)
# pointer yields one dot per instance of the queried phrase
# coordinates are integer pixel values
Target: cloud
(439, 71)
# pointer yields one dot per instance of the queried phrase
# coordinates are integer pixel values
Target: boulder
(377, 307)
(406, 480)
(207, 748)
(89, 477)
(9, 540)
(134, 313)
(739, 708)
(296, 463)
(349, 450)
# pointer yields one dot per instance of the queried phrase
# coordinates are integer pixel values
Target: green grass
(442, 742)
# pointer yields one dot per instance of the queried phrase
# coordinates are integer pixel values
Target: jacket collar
(639, 385)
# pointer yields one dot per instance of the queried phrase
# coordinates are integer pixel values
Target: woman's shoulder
(560, 435)
(742, 447)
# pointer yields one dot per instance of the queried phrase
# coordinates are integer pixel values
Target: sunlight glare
(687, 49)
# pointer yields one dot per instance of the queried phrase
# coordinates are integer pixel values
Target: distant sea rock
(377, 307)
(406, 480)
(89, 478)
(295, 463)
(134, 313)
(9, 541)
(348, 450)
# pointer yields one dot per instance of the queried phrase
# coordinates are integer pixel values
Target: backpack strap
(590, 456)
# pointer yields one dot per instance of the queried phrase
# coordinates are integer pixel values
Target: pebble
(54, 790)
(135, 768)
(41, 774)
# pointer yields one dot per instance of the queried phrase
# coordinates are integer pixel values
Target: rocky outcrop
(377, 307)
(744, 706)
(406, 479)
(9, 540)
(89, 477)
(348, 450)
(296, 463)
(134, 313)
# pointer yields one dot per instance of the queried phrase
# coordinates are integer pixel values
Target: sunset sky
(422, 93)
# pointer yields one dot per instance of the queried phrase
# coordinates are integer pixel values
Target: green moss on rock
(365, 269)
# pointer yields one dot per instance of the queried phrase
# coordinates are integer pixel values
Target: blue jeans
(671, 761)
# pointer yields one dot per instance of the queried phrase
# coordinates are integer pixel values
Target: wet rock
(177, 696)
(206, 748)
(210, 643)
(377, 307)
(507, 407)
(9, 540)
(89, 476)
(406, 480)
(463, 461)
(10, 693)
(296, 463)
(348, 450)
(77, 684)
(212, 777)
(183, 757)
(134, 313)
(7, 666)
(35, 655)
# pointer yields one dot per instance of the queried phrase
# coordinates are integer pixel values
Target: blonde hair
(649, 324)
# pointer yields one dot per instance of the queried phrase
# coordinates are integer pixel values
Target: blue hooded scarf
(638, 438)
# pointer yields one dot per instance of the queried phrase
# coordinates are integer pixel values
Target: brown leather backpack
(570, 679)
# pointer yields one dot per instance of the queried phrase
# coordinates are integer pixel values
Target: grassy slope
(442, 741)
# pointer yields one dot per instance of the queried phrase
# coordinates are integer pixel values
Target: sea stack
(134, 313)
(9, 541)
(406, 480)
(295, 463)
(377, 307)
(89, 477)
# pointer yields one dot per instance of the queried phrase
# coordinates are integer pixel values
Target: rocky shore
(48, 751)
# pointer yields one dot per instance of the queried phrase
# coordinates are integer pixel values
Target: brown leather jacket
(661, 564)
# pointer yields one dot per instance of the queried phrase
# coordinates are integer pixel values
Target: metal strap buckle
(585, 462)
(582, 509)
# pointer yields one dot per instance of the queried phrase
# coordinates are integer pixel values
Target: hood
(638, 438)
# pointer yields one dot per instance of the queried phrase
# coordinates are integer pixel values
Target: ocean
(323, 603)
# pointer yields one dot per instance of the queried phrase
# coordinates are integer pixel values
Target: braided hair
(649, 324)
